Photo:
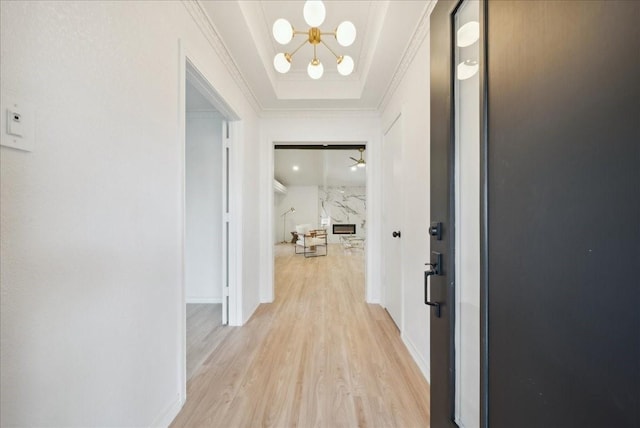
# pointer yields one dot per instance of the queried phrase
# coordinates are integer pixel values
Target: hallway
(317, 356)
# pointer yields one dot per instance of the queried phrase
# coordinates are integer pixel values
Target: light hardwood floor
(317, 356)
(204, 333)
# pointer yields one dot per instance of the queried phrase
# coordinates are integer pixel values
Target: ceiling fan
(360, 163)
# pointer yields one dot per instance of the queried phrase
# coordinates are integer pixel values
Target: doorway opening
(320, 208)
(210, 232)
(203, 256)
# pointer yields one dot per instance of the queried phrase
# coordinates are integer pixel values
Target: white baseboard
(204, 300)
(422, 363)
(250, 313)
(166, 417)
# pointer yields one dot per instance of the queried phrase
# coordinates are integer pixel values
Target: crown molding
(319, 113)
(209, 31)
(419, 35)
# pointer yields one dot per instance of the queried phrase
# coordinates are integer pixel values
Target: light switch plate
(18, 133)
(14, 122)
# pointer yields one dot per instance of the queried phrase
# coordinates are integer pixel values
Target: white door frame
(191, 68)
(225, 203)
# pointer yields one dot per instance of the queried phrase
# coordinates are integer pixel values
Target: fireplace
(344, 229)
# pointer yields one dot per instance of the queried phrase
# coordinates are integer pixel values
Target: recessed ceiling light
(354, 168)
(296, 167)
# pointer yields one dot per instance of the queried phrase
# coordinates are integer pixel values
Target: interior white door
(225, 221)
(391, 220)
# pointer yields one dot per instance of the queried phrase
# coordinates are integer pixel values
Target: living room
(320, 188)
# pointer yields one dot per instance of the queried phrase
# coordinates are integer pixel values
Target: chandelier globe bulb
(315, 71)
(346, 33)
(467, 69)
(468, 34)
(345, 66)
(282, 31)
(281, 63)
(314, 13)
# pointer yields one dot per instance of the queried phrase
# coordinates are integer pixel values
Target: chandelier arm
(315, 56)
(298, 48)
(330, 50)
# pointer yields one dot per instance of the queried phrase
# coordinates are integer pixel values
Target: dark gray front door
(439, 288)
(564, 213)
(560, 209)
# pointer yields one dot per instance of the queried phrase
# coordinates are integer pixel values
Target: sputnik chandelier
(314, 13)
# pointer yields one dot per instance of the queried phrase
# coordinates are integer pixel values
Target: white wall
(91, 223)
(305, 200)
(412, 100)
(203, 206)
(252, 216)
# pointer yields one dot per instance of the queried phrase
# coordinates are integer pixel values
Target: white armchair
(311, 241)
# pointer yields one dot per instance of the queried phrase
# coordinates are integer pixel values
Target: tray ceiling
(385, 33)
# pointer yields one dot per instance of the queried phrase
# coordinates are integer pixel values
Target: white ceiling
(385, 30)
(318, 168)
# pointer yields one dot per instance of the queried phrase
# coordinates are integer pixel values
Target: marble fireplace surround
(343, 205)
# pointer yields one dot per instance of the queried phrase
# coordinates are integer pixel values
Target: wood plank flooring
(317, 356)
(204, 333)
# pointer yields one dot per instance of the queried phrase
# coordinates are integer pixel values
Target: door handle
(436, 305)
(396, 234)
(435, 268)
